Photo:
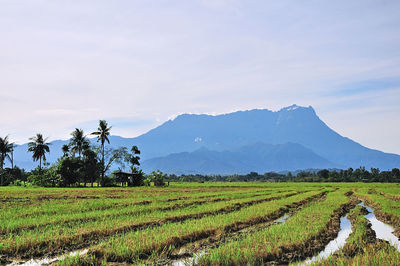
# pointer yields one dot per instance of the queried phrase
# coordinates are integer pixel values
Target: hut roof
(120, 173)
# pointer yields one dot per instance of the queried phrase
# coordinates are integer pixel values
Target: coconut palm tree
(78, 142)
(12, 155)
(39, 147)
(6, 147)
(102, 133)
(134, 159)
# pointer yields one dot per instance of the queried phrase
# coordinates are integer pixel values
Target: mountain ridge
(258, 157)
(226, 132)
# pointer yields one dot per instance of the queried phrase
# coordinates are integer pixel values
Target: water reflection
(282, 219)
(47, 261)
(383, 231)
(189, 261)
(335, 244)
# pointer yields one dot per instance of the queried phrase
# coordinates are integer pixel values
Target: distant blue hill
(291, 124)
(232, 132)
(258, 157)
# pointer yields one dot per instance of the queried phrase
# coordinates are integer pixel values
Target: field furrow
(145, 243)
(59, 238)
(11, 226)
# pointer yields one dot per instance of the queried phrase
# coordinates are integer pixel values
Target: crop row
(300, 236)
(56, 238)
(82, 205)
(142, 244)
(10, 225)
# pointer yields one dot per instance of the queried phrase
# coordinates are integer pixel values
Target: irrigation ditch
(375, 230)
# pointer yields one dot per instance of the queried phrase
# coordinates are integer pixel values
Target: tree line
(325, 175)
(81, 162)
(84, 163)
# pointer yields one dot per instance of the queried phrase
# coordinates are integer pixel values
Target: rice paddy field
(202, 224)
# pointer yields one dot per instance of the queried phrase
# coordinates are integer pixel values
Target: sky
(137, 63)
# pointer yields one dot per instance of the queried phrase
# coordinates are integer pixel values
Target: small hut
(131, 179)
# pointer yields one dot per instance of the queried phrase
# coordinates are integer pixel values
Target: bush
(21, 183)
(147, 182)
(47, 177)
(158, 178)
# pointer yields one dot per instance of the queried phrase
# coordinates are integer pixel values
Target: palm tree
(38, 146)
(12, 155)
(65, 150)
(78, 142)
(102, 133)
(6, 147)
(133, 159)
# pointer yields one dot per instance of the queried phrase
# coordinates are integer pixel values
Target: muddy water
(189, 261)
(194, 260)
(335, 244)
(383, 231)
(47, 261)
(282, 219)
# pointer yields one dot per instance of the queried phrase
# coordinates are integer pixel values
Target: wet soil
(384, 217)
(299, 252)
(235, 231)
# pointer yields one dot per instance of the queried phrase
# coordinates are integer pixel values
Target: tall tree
(12, 155)
(39, 147)
(102, 133)
(133, 159)
(78, 142)
(5, 149)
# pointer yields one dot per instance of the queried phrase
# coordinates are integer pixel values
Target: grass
(231, 222)
(50, 238)
(274, 242)
(141, 244)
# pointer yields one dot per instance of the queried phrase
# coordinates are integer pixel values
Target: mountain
(229, 132)
(258, 157)
(291, 124)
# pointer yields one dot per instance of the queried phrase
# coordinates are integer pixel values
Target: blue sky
(66, 64)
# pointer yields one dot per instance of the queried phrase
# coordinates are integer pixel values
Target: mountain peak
(294, 107)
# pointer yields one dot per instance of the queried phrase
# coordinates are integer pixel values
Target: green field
(218, 223)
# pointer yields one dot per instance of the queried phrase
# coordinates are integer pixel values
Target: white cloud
(65, 63)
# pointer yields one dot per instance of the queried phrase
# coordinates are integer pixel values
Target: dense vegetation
(81, 163)
(324, 175)
(228, 223)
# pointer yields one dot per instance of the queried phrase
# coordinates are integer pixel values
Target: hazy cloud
(64, 63)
